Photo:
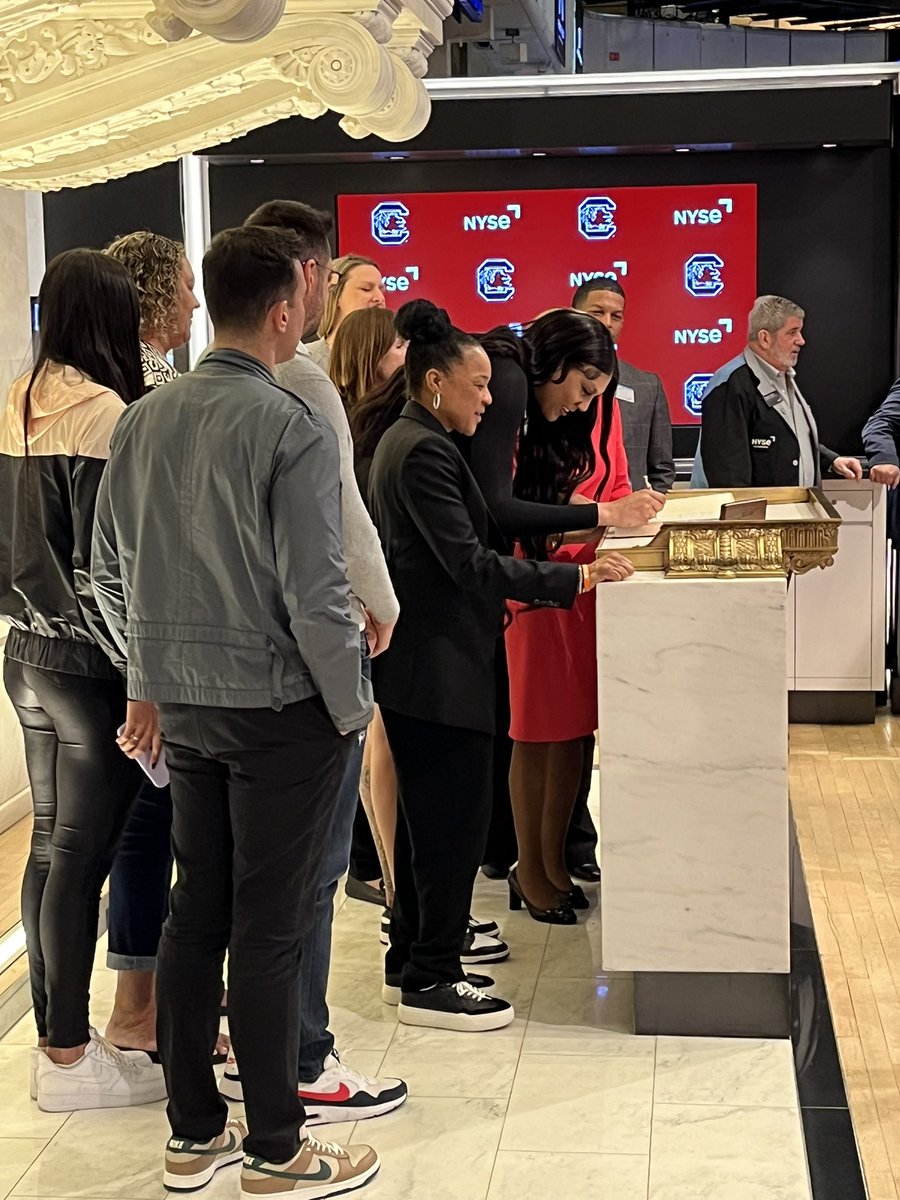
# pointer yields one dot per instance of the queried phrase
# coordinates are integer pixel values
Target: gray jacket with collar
(217, 557)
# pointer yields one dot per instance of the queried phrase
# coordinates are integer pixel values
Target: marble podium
(694, 813)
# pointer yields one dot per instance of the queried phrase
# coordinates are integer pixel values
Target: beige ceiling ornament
(95, 90)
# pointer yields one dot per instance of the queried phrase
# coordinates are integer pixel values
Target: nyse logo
(494, 280)
(493, 221)
(619, 269)
(703, 275)
(694, 390)
(597, 218)
(389, 227)
(400, 283)
(704, 337)
(703, 216)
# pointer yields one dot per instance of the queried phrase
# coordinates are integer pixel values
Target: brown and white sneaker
(191, 1165)
(319, 1169)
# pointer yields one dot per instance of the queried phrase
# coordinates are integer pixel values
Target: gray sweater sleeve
(366, 568)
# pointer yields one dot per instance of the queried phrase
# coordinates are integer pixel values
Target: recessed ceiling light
(396, 157)
(257, 160)
(539, 154)
(682, 149)
(829, 145)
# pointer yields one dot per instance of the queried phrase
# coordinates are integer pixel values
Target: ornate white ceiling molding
(92, 91)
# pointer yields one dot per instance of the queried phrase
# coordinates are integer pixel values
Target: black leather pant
(82, 786)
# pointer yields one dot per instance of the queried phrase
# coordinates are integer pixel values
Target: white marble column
(693, 775)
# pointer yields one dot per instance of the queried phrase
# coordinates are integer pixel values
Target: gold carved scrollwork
(722, 553)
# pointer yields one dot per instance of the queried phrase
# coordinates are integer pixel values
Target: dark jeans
(444, 778)
(139, 882)
(581, 837)
(82, 786)
(316, 1040)
(253, 792)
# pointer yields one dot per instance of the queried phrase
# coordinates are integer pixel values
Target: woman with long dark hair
(436, 685)
(551, 656)
(545, 382)
(70, 701)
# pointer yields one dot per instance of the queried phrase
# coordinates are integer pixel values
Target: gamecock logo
(389, 227)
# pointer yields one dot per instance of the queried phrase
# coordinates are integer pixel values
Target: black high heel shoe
(563, 914)
(576, 898)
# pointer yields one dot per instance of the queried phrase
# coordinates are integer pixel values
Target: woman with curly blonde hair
(142, 869)
(165, 284)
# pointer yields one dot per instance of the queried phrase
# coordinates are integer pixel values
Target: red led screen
(686, 257)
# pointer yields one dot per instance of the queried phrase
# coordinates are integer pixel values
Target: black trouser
(253, 793)
(444, 785)
(501, 849)
(581, 837)
(82, 786)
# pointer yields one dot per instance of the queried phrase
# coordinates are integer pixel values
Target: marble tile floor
(565, 1104)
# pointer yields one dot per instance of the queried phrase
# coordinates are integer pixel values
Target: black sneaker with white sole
(391, 992)
(483, 948)
(476, 925)
(457, 1006)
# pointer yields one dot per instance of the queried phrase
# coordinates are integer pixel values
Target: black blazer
(435, 529)
(745, 441)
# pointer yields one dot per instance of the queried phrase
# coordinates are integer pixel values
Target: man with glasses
(330, 1089)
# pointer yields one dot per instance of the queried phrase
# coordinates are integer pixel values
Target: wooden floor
(13, 855)
(845, 792)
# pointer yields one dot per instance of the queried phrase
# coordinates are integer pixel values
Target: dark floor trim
(707, 1004)
(831, 708)
(831, 1149)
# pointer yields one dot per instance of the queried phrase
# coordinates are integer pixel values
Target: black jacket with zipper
(48, 493)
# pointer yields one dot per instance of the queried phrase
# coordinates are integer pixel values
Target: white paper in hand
(158, 775)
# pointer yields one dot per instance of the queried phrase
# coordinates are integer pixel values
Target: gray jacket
(646, 428)
(366, 568)
(217, 557)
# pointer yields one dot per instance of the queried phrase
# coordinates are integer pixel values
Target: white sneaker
(342, 1094)
(339, 1094)
(103, 1077)
(36, 1052)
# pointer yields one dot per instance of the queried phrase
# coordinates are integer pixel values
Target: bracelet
(587, 582)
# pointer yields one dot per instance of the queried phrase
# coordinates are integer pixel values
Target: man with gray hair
(758, 430)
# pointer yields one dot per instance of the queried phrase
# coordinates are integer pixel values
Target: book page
(687, 506)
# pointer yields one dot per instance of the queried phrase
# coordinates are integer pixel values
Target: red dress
(552, 652)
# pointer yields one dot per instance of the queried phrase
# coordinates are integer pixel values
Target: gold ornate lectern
(689, 540)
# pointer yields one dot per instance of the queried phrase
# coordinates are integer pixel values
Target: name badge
(623, 392)
(762, 443)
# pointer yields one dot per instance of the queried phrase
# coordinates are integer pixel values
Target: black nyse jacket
(435, 527)
(744, 440)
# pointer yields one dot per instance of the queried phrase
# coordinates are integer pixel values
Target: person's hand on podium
(611, 568)
(633, 510)
(850, 468)
(885, 473)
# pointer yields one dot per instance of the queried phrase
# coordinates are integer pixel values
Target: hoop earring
(436, 401)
